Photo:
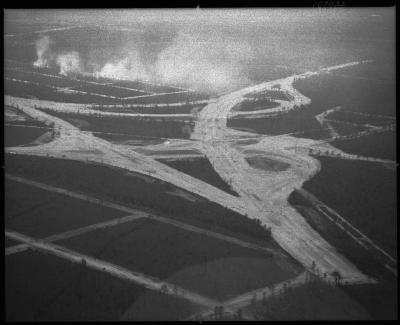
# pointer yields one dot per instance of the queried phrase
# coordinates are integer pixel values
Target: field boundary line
(148, 282)
(169, 221)
(245, 299)
(76, 232)
(341, 222)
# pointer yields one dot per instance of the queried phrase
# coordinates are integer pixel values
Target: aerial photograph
(200, 164)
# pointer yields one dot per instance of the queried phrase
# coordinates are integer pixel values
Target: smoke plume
(44, 55)
(202, 61)
(70, 63)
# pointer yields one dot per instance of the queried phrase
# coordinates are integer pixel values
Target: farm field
(312, 301)
(201, 169)
(138, 191)
(154, 109)
(161, 250)
(248, 106)
(16, 135)
(28, 90)
(161, 128)
(365, 260)
(295, 121)
(381, 145)
(9, 242)
(364, 193)
(355, 117)
(364, 95)
(40, 213)
(267, 164)
(44, 287)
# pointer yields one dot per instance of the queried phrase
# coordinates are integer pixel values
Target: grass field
(248, 106)
(353, 117)
(184, 109)
(367, 261)
(295, 121)
(344, 129)
(27, 90)
(161, 250)
(41, 213)
(312, 301)
(381, 145)
(138, 191)
(47, 288)
(16, 135)
(267, 164)
(369, 95)
(380, 300)
(9, 242)
(108, 90)
(162, 128)
(201, 169)
(364, 193)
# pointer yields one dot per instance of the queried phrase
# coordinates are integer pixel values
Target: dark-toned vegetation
(162, 250)
(368, 262)
(251, 105)
(267, 164)
(154, 109)
(201, 169)
(43, 287)
(382, 145)
(41, 213)
(315, 300)
(353, 117)
(108, 90)
(162, 127)
(379, 299)
(16, 135)
(295, 121)
(364, 193)
(138, 191)
(368, 95)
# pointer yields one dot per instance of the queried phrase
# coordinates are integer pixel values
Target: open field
(160, 250)
(162, 127)
(248, 106)
(367, 261)
(109, 90)
(154, 109)
(344, 129)
(364, 95)
(380, 300)
(269, 93)
(9, 242)
(314, 300)
(361, 192)
(294, 121)
(267, 164)
(381, 145)
(44, 287)
(41, 213)
(138, 191)
(16, 135)
(47, 84)
(201, 169)
(360, 118)
(29, 90)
